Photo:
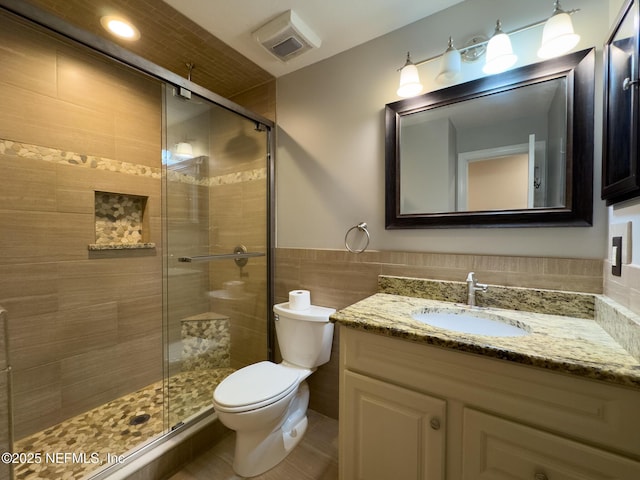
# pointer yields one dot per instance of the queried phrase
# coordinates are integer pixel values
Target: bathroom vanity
(421, 402)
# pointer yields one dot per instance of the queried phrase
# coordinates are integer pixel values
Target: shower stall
(136, 235)
(216, 270)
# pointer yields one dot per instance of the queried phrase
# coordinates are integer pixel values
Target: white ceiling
(340, 24)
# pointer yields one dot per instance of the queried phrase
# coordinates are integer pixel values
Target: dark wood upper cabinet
(620, 165)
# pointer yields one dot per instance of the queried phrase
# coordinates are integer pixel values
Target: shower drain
(139, 419)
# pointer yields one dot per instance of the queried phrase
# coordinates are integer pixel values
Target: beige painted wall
(498, 183)
(330, 168)
(330, 176)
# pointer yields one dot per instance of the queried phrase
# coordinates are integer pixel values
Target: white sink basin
(480, 323)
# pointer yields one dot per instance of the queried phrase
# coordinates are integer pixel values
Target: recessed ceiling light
(120, 27)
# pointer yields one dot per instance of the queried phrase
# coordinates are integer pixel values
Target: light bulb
(409, 80)
(500, 56)
(558, 36)
(451, 62)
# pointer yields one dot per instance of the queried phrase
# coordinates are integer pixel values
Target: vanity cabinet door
(621, 152)
(389, 432)
(497, 449)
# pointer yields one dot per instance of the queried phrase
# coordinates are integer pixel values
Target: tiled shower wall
(85, 327)
(339, 278)
(212, 211)
(83, 330)
(238, 216)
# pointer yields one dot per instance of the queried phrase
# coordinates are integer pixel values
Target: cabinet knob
(540, 476)
(435, 423)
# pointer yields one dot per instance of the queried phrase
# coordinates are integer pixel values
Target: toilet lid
(254, 386)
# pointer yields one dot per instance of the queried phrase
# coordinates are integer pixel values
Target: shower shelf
(223, 256)
(121, 246)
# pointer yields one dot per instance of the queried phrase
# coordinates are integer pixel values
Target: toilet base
(258, 451)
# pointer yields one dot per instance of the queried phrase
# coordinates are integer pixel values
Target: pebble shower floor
(101, 435)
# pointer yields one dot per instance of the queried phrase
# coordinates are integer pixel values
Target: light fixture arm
(484, 43)
(190, 66)
(557, 8)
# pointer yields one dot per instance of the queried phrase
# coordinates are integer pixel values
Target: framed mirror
(508, 150)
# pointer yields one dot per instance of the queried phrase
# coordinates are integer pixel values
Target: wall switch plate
(616, 256)
(623, 230)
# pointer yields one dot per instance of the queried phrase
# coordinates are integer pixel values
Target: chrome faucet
(472, 287)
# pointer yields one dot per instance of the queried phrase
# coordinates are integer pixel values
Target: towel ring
(362, 226)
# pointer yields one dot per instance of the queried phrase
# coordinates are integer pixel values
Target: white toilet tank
(304, 336)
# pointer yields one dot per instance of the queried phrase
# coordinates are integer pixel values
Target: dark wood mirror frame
(579, 70)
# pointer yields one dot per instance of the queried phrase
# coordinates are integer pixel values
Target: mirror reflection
(504, 151)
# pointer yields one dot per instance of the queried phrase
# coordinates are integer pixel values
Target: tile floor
(109, 429)
(315, 458)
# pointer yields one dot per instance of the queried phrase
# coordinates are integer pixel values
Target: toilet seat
(255, 386)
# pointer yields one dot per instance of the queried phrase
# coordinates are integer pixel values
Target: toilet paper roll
(299, 299)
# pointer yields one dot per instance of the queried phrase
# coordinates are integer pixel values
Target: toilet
(266, 403)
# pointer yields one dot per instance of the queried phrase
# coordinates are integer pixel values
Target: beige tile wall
(339, 278)
(624, 289)
(6, 433)
(238, 216)
(87, 327)
(82, 330)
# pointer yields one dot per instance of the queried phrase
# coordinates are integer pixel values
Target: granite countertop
(576, 346)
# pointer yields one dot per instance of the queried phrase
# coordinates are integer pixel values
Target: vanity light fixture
(558, 38)
(500, 56)
(120, 27)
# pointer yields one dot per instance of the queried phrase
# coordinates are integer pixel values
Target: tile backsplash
(624, 289)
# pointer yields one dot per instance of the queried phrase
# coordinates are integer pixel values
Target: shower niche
(120, 222)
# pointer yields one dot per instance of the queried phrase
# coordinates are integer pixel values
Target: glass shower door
(216, 235)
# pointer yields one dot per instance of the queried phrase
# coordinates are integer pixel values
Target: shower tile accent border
(63, 157)
(228, 179)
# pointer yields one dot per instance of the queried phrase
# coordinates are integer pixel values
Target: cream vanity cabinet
(413, 411)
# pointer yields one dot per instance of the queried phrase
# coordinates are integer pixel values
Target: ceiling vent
(286, 36)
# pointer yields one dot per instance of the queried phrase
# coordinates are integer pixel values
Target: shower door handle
(222, 256)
